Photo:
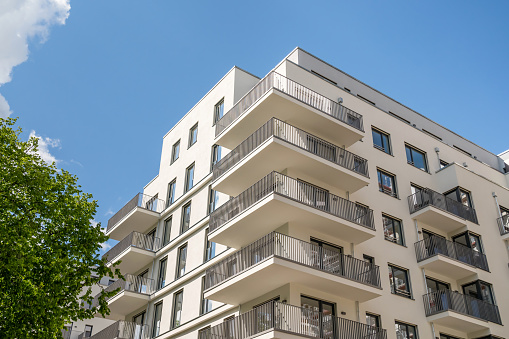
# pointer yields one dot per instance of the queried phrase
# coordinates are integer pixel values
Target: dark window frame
(215, 156)
(401, 323)
(156, 330)
(175, 151)
(411, 161)
(212, 244)
(458, 190)
(381, 172)
(382, 134)
(191, 132)
(217, 111)
(402, 241)
(181, 271)
(172, 188)
(188, 178)
(396, 290)
(167, 232)
(182, 219)
(161, 280)
(205, 304)
(174, 309)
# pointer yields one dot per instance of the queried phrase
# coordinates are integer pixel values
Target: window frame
(378, 318)
(181, 270)
(205, 304)
(154, 326)
(396, 290)
(206, 256)
(216, 153)
(219, 104)
(167, 230)
(211, 206)
(401, 232)
(174, 310)
(182, 221)
(160, 278)
(189, 178)
(191, 132)
(175, 151)
(170, 196)
(380, 172)
(458, 190)
(90, 331)
(402, 323)
(419, 151)
(382, 134)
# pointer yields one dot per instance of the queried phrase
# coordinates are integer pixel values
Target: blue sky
(103, 88)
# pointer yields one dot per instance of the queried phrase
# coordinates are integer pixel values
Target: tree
(47, 243)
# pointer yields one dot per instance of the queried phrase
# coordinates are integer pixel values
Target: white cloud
(109, 212)
(44, 145)
(105, 247)
(20, 21)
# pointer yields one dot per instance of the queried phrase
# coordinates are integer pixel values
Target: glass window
(416, 158)
(480, 290)
(470, 240)
(157, 319)
(392, 230)
(161, 281)
(381, 140)
(369, 259)
(435, 285)
(218, 110)
(216, 155)
(181, 261)
(193, 135)
(88, 331)
(167, 231)
(186, 217)
(405, 331)
(373, 320)
(189, 178)
(400, 284)
(210, 247)
(138, 321)
(177, 309)
(443, 163)
(206, 305)
(175, 151)
(171, 192)
(387, 183)
(461, 195)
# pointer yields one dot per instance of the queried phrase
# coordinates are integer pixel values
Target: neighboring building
(308, 204)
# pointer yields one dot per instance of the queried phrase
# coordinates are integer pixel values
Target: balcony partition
(306, 322)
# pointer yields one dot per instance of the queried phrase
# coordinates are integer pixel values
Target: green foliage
(47, 245)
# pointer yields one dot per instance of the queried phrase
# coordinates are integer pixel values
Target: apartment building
(308, 204)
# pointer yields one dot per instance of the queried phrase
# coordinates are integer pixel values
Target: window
(167, 231)
(369, 259)
(151, 204)
(138, 321)
(481, 290)
(213, 198)
(470, 240)
(400, 283)
(193, 135)
(210, 247)
(381, 140)
(88, 331)
(186, 217)
(177, 309)
(216, 155)
(218, 110)
(436, 285)
(206, 305)
(161, 281)
(443, 164)
(110, 281)
(392, 230)
(461, 195)
(171, 192)
(416, 157)
(158, 309)
(406, 331)
(387, 183)
(189, 178)
(175, 151)
(181, 261)
(373, 320)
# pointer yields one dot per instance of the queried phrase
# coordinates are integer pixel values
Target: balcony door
(434, 243)
(142, 283)
(138, 321)
(438, 295)
(326, 256)
(472, 241)
(318, 317)
(478, 290)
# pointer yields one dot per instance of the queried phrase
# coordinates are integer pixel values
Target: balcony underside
(276, 272)
(275, 210)
(137, 220)
(276, 154)
(133, 258)
(439, 219)
(286, 108)
(126, 302)
(459, 322)
(448, 267)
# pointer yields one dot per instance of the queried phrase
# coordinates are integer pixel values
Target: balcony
(278, 259)
(449, 258)
(460, 312)
(503, 226)
(134, 293)
(134, 251)
(436, 210)
(66, 334)
(138, 214)
(123, 330)
(279, 320)
(276, 95)
(277, 199)
(278, 145)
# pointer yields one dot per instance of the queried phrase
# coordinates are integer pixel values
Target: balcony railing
(503, 224)
(291, 319)
(140, 200)
(135, 239)
(446, 300)
(131, 283)
(295, 136)
(428, 197)
(281, 83)
(123, 330)
(294, 250)
(309, 195)
(432, 246)
(66, 334)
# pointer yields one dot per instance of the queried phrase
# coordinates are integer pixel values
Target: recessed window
(387, 183)
(193, 135)
(171, 192)
(416, 157)
(157, 319)
(373, 321)
(175, 151)
(400, 283)
(167, 231)
(381, 140)
(218, 110)
(392, 230)
(181, 261)
(189, 178)
(88, 331)
(206, 305)
(177, 309)
(210, 247)
(443, 163)
(369, 259)
(406, 331)
(461, 195)
(216, 155)
(186, 218)
(161, 281)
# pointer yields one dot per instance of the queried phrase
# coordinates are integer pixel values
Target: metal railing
(295, 136)
(307, 194)
(281, 83)
(428, 197)
(131, 283)
(123, 330)
(294, 320)
(434, 245)
(446, 300)
(139, 200)
(66, 333)
(294, 250)
(134, 239)
(503, 224)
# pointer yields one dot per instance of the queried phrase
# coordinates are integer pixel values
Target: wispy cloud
(109, 212)
(72, 161)
(44, 145)
(20, 21)
(105, 247)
